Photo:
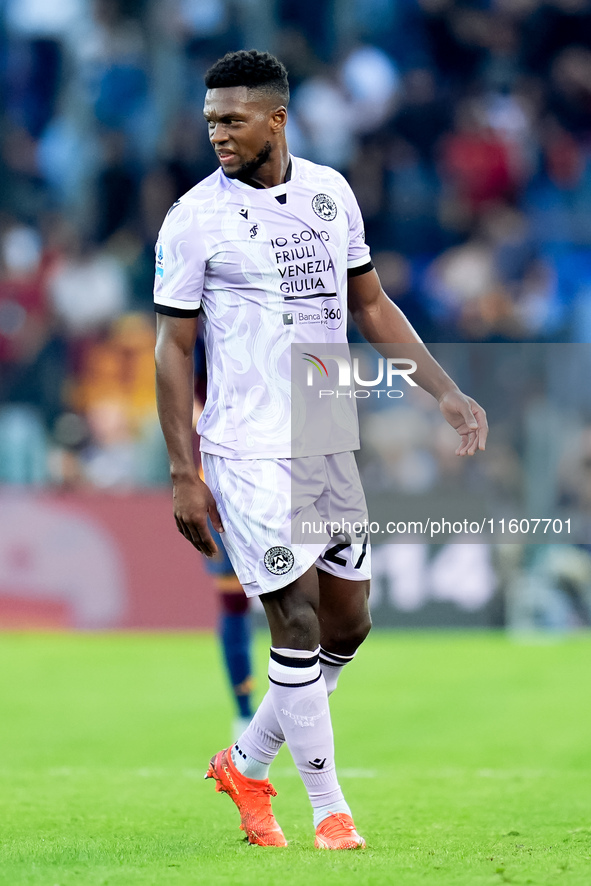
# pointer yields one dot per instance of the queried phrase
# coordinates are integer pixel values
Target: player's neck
(273, 172)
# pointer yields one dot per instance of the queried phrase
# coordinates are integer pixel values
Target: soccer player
(231, 250)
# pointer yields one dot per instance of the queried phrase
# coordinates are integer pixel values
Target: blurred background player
(234, 634)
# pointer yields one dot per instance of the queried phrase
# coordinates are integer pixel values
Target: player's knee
(346, 637)
(293, 622)
(301, 628)
(359, 631)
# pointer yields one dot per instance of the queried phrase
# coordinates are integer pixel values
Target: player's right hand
(193, 503)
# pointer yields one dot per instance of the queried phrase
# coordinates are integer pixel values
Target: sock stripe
(331, 658)
(301, 670)
(289, 662)
(332, 664)
(295, 685)
(296, 653)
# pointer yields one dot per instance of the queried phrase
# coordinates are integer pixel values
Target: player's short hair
(250, 68)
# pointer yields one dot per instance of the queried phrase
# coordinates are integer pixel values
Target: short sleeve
(180, 264)
(358, 256)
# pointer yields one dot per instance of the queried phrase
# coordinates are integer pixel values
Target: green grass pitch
(466, 760)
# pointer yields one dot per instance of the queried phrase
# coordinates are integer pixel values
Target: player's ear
(279, 119)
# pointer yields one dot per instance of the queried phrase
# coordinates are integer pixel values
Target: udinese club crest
(324, 207)
(279, 560)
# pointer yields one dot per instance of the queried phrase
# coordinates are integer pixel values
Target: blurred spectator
(475, 162)
(552, 26)
(456, 37)
(110, 438)
(297, 55)
(372, 84)
(37, 30)
(108, 462)
(115, 188)
(336, 105)
(23, 447)
(315, 21)
(423, 117)
(324, 115)
(23, 310)
(396, 277)
(412, 193)
(83, 269)
(119, 369)
(495, 287)
(205, 26)
(32, 353)
(570, 96)
(112, 59)
(24, 192)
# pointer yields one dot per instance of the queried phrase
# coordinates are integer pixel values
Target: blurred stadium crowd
(464, 128)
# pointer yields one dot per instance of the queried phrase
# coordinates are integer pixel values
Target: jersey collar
(276, 190)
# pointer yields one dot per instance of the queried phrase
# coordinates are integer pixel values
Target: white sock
(247, 765)
(260, 742)
(331, 666)
(322, 812)
(251, 768)
(300, 700)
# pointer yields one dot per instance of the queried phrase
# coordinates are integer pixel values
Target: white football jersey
(267, 267)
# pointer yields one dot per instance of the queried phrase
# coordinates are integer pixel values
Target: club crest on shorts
(324, 207)
(278, 560)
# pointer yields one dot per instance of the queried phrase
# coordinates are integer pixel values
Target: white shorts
(254, 500)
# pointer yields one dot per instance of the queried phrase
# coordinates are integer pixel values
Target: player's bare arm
(382, 322)
(192, 499)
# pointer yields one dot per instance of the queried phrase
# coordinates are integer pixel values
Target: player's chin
(231, 165)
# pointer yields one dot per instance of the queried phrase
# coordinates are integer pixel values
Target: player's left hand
(469, 420)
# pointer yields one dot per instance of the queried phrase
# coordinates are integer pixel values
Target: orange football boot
(338, 832)
(251, 796)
